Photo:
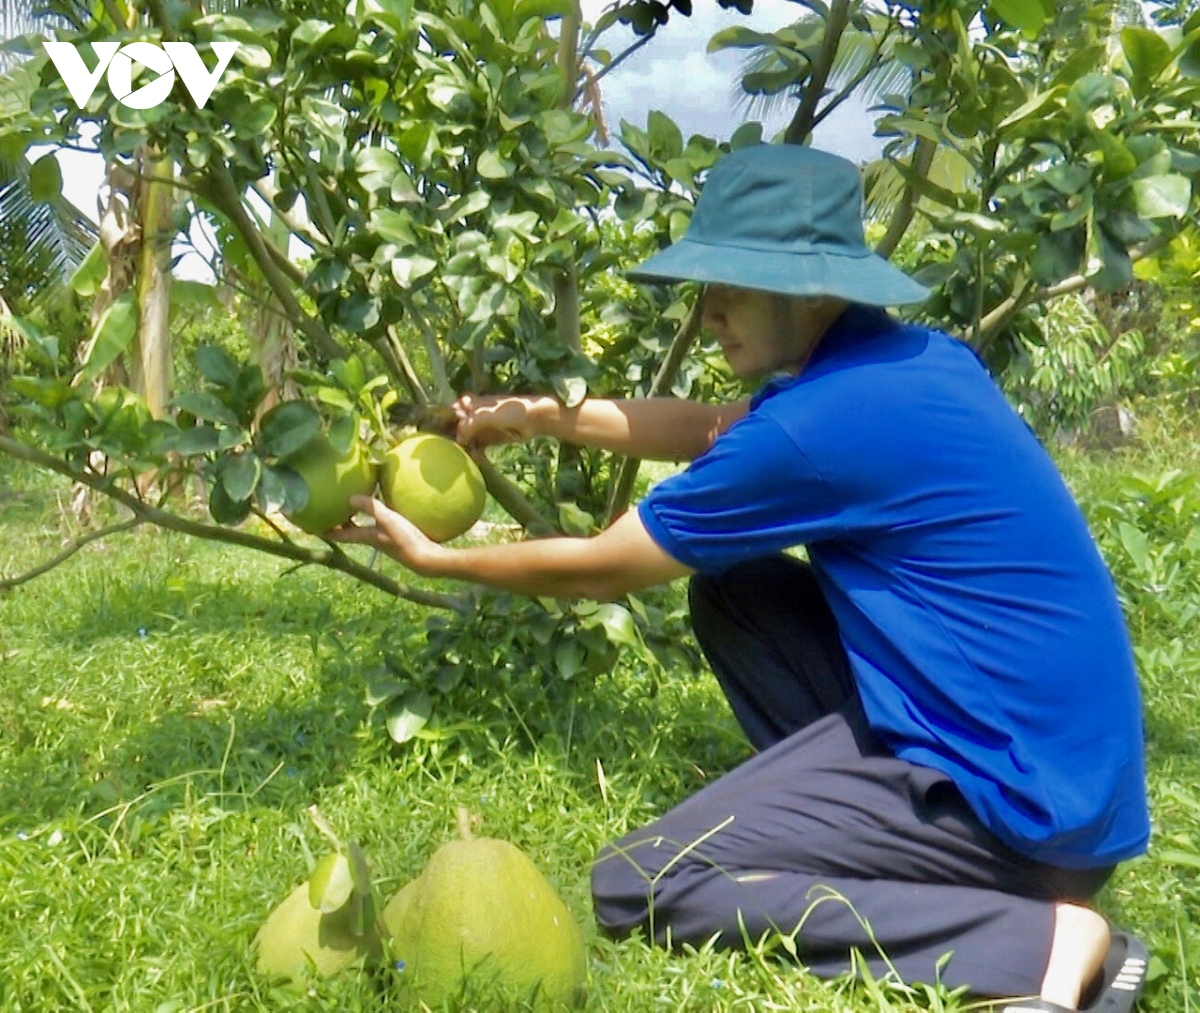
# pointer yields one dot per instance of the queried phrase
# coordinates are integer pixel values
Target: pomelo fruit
(482, 912)
(298, 939)
(332, 478)
(433, 482)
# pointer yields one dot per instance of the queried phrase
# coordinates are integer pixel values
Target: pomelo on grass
(433, 482)
(298, 939)
(481, 914)
(332, 478)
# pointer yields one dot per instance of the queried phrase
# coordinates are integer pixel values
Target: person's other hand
(490, 420)
(392, 533)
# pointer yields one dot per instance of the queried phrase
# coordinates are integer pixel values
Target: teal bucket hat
(786, 219)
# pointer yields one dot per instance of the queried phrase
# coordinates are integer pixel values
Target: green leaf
(1057, 256)
(568, 658)
(492, 165)
(1068, 179)
(239, 474)
(360, 871)
(206, 406)
(382, 690)
(575, 521)
(90, 273)
(202, 439)
(281, 489)
(470, 204)
(741, 38)
(526, 9)
(115, 332)
(331, 883)
(1074, 215)
(408, 714)
(571, 390)
(1148, 53)
(666, 139)
(216, 366)
(287, 427)
(618, 625)
(1163, 196)
(408, 270)
(393, 226)
(747, 135)
(404, 191)
(350, 372)
(45, 179)
(376, 168)
(223, 509)
(1135, 543)
(1024, 15)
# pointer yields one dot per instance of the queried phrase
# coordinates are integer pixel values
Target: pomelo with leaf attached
(332, 477)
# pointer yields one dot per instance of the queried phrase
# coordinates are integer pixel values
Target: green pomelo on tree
(482, 912)
(332, 478)
(433, 482)
(298, 939)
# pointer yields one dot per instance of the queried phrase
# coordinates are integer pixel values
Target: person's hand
(392, 533)
(489, 420)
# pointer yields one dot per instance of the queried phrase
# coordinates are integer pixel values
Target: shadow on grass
(276, 757)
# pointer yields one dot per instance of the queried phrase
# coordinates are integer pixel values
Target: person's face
(762, 333)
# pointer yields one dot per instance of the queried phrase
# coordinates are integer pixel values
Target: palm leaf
(855, 51)
(41, 244)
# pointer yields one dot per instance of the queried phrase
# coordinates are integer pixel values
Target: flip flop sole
(1121, 979)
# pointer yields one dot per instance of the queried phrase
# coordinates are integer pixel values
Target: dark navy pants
(823, 830)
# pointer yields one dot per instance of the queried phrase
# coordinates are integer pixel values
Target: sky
(672, 73)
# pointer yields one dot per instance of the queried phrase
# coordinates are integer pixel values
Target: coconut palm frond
(856, 49)
(884, 186)
(42, 242)
(27, 17)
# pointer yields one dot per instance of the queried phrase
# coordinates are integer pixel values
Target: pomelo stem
(464, 823)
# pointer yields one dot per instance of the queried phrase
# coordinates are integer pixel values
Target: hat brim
(865, 279)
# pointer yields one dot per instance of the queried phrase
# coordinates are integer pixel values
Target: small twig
(407, 372)
(681, 344)
(69, 551)
(512, 499)
(625, 56)
(437, 361)
(305, 230)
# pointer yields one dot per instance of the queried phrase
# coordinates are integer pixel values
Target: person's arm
(656, 429)
(620, 559)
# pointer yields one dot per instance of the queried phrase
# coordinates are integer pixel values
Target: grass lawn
(171, 708)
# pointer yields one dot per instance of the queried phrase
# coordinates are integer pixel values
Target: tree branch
(230, 202)
(512, 499)
(113, 529)
(681, 345)
(920, 163)
(333, 558)
(998, 317)
(802, 123)
(269, 192)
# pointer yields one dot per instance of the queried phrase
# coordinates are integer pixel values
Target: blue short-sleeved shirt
(982, 626)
